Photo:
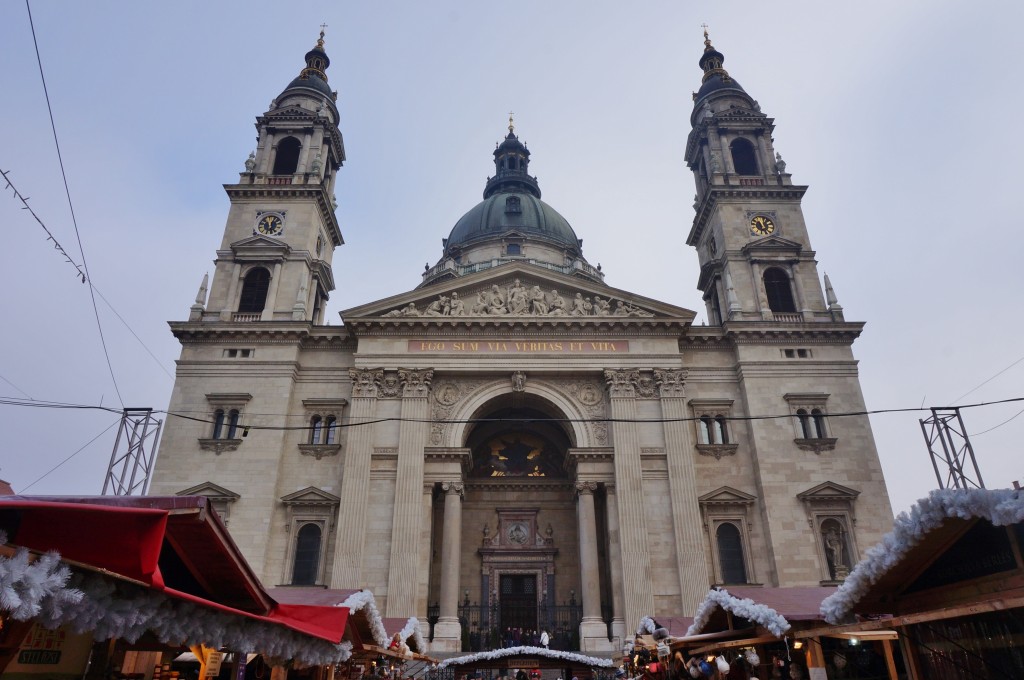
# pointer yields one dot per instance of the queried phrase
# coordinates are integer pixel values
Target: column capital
(622, 382)
(609, 488)
(365, 381)
(586, 488)
(670, 382)
(415, 382)
(456, 488)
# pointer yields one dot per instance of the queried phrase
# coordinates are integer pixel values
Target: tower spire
(711, 61)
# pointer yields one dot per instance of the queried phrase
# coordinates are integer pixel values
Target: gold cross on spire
(511, 125)
(323, 30)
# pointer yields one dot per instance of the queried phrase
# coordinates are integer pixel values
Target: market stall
(90, 584)
(949, 580)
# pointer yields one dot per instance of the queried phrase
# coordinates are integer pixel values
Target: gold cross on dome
(511, 125)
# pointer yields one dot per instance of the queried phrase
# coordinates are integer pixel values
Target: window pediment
(310, 497)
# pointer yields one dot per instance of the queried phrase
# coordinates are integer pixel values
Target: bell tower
(749, 231)
(274, 262)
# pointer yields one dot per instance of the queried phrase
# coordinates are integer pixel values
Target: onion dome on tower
(314, 76)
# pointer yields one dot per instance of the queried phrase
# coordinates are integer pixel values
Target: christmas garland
(412, 628)
(1001, 507)
(646, 627)
(30, 588)
(591, 661)
(746, 608)
(363, 599)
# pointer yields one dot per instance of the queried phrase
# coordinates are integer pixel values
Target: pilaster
(682, 479)
(407, 521)
(636, 559)
(355, 480)
(615, 563)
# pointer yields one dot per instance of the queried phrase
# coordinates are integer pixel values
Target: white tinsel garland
(28, 588)
(591, 661)
(412, 629)
(646, 626)
(999, 506)
(364, 600)
(746, 608)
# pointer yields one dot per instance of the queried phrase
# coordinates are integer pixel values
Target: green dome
(504, 212)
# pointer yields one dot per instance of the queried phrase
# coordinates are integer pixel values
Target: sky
(898, 115)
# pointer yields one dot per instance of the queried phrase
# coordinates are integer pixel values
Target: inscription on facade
(534, 347)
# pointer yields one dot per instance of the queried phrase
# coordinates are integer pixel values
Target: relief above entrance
(516, 299)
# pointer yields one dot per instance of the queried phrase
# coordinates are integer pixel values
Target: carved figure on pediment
(538, 302)
(439, 307)
(579, 305)
(633, 310)
(620, 309)
(408, 310)
(518, 300)
(602, 307)
(481, 303)
(496, 303)
(456, 307)
(556, 305)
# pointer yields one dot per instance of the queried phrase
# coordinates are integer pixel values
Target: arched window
(744, 160)
(721, 432)
(330, 430)
(233, 424)
(218, 423)
(307, 555)
(316, 427)
(705, 429)
(254, 291)
(776, 288)
(730, 553)
(819, 423)
(805, 423)
(287, 160)
(511, 162)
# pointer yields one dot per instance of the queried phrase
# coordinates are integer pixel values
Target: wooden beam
(920, 617)
(890, 661)
(731, 644)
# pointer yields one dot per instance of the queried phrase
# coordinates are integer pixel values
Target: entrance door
(519, 602)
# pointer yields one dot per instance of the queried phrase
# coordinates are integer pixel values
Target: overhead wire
(80, 449)
(999, 373)
(15, 387)
(71, 207)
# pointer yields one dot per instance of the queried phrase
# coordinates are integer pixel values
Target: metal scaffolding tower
(950, 450)
(128, 472)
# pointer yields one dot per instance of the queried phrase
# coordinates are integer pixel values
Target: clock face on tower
(270, 224)
(761, 225)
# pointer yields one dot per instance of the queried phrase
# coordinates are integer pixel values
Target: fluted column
(589, 576)
(447, 627)
(615, 562)
(407, 519)
(426, 541)
(682, 479)
(355, 481)
(638, 599)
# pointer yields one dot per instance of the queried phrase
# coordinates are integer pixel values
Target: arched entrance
(519, 569)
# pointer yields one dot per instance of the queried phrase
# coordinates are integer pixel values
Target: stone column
(682, 479)
(447, 631)
(264, 151)
(271, 304)
(407, 519)
(759, 294)
(304, 163)
(615, 564)
(636, 559)
(426, 541)
(798, 291)
(355, 481)
(589, 575)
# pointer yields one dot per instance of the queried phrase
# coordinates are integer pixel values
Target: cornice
(263, 333)
(723, 192)
(553, 326)
(772, 333)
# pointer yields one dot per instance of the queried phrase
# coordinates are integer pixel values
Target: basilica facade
(516, 444)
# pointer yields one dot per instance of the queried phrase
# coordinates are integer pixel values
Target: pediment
(261, 243)
(726, 495)
(211, 491)
(516, 293)
(290, 112)
(310, 496)
(828, 491)
(772, 244)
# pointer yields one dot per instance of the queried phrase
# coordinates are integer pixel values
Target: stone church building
(516, 443)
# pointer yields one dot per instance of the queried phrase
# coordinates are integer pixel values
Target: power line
(81, 274)
(15, 387)
(58, 465)
(996, 427)
(990, 379)
(71, 207)
(185, 415)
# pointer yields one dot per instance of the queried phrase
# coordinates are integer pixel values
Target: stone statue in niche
(834, 545)
(518, 381)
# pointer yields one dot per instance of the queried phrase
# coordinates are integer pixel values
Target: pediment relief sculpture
(517, 299)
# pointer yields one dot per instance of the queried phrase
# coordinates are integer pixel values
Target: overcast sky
(901, 116)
